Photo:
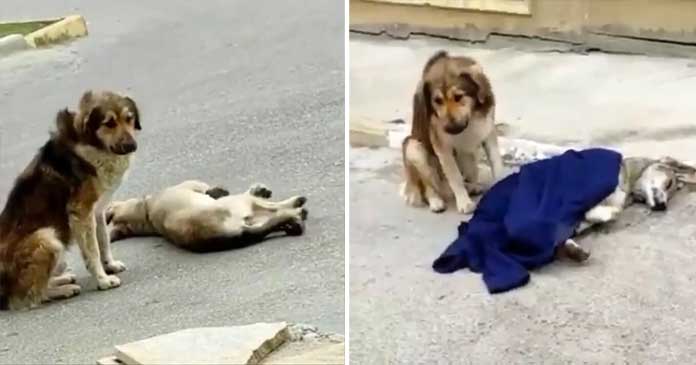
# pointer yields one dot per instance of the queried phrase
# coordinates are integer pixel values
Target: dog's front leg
(455, 179)
(490, 145)
(84, 230)
(110, 265)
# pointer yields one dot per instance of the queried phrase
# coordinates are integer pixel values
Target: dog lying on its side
(643, 180)
(200, 218)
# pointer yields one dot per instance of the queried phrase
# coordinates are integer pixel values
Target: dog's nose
(659, 207)
(453, 128)
(129, 147)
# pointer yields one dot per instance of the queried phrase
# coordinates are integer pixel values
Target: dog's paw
(465, 206)
(299, 202)
(436, 205)
(63, 292)
(114, 267)
(602, 214)
(108, 282)
(294, 228)
(475, 188)
(575, 252)
(217, 192)
(63, 279)
(411, 196)
(261, 191)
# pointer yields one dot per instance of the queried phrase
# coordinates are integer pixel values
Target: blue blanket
(519, 222)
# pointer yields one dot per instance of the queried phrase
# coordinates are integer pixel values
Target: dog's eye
(110, 123)
(669, 184)
(438, 100)
(458, 97)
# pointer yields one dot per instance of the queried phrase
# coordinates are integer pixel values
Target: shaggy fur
(60, 197)
(200, 218)
(453, 117)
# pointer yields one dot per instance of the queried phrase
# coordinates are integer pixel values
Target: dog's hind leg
(290, 221)
(260, 191)
(36, 258)
(294, 202)
(194, 185)
(215, 192)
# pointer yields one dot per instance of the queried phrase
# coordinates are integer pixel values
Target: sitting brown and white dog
(453, 117)
(60, 198)
(650, 181)
(200, 218)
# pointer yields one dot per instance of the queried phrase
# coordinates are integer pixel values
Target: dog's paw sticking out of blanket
(573, 251)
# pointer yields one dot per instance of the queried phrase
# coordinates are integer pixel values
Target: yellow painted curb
(368, 133)
(73, 26)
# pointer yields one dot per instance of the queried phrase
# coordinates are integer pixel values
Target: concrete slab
(212, 345)
(308, 345)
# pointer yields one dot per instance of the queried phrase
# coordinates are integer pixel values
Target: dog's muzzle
(455, 128)
(659, 207)
(125, 148)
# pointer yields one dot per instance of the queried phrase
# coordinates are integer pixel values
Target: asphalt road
(231, 92)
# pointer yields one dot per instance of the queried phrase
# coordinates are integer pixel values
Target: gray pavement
(632, 302)
(231, 92)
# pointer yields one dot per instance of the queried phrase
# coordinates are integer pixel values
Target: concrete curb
(70, 27)
(365, 132)
(60, 30)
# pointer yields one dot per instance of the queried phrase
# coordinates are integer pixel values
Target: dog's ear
(65, 125)
(86, 100)
(484, 93)
(136, 113)
(685, 174)
(434, 58)
(422, 111)
(678, 166)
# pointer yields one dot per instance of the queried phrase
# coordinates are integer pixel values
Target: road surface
(231, 92)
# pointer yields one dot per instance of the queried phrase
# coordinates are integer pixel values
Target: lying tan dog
(643, 180)
(200, 218)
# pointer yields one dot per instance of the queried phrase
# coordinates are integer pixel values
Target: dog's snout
(129, 147)
(125, 147)
(454, 127)
(659, 207)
